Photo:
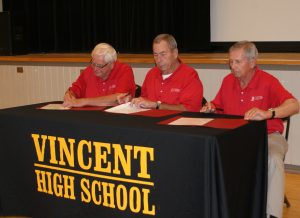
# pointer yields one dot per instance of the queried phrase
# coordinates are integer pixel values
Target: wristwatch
(273, 112)
(158, 103)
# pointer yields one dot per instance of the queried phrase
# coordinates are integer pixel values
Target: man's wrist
(69, 91)
(158, 103)
(273, 113)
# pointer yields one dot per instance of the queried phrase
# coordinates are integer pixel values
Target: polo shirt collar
(175, 72)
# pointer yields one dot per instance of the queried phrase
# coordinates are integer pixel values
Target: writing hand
(208, 108)
(123, 98)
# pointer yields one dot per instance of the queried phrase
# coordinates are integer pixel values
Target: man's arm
(286, 109)
(108, 100)
(178, 107)
(143, 102)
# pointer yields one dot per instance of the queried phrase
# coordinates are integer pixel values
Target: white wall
(36, 84)
(255, 20)
(39, 83)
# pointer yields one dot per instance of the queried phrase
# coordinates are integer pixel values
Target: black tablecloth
(98, 164)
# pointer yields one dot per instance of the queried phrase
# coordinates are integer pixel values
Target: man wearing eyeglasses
(171, 84)
(105, 82)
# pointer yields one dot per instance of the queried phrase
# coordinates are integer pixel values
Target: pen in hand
(210, 108)
(123, 98)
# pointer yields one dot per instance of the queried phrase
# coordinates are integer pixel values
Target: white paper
(54, 107)
(125, 109)
(190, 121)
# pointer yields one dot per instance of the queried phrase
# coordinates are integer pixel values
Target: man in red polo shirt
(257, 95)
(106, 81)
(171, 84)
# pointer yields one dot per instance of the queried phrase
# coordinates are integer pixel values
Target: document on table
(220, 123)
(54, 107)
(190, 121)
(125, 109)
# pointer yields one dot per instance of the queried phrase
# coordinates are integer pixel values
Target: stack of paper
(126, 108)
(54, 107)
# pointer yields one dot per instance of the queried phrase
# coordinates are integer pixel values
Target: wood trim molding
(197, 58)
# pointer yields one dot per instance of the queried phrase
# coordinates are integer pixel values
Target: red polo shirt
(120, 80)
(264, 91)
(182, 87)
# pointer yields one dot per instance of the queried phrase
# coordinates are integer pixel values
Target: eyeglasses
(98, 66)
(161, 54)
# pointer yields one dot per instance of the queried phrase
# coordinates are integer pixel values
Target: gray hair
(105, 50)
(167, 38)
(249, 48)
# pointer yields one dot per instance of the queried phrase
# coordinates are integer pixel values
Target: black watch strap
(273, 113)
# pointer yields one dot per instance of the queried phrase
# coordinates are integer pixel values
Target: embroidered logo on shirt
(256, 98)
(112, 86)
(175, 90)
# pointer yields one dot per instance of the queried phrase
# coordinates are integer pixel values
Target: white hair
(250, 50)
(105, 50)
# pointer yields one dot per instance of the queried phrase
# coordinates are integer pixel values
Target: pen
(120, 99)
(212, 110)
(219, 109)
(125, 95)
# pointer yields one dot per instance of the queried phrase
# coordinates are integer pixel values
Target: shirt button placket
(161, 89)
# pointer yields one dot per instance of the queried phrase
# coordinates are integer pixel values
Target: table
(97, 164)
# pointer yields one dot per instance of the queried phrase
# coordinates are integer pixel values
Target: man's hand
(123, 98)
(208, 108)
(257, 114)
(71, 101)
(74, 102)
(143, 103)
(68, 98)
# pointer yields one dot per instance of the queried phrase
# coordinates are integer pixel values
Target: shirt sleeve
(278, 93)
(144, 92)
(192, 93)
(218, 99)
(125, 80)
(79, 86)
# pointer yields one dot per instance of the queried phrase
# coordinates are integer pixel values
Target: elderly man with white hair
(106, 81)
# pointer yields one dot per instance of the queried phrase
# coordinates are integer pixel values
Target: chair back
(286, 124)
(138, 90)
(204, 101)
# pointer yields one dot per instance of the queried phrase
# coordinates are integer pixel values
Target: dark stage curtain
(129, 25)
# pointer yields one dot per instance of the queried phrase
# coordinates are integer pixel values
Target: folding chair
(204, 101)
(138, 90)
